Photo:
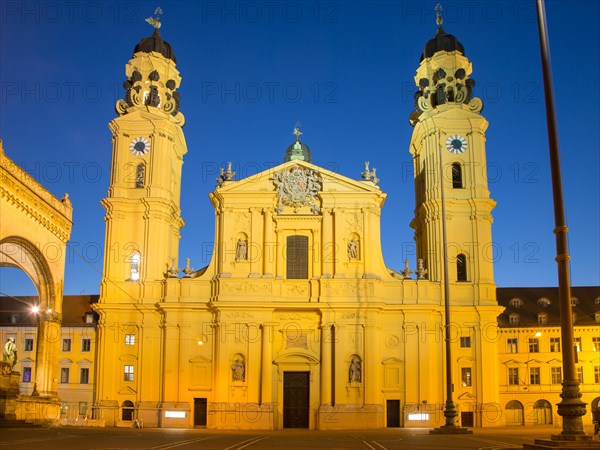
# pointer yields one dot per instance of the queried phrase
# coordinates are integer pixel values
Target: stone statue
(353, 249)
(238, 370)
(10, 353)
(241, 250)
(354, 374)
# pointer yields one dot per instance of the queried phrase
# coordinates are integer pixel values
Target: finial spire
(297, 132)
(438, 15)
(155, 21)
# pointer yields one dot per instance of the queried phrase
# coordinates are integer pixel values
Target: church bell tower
(143, 216)
(449, 156)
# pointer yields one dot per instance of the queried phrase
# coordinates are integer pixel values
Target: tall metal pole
(450, 412)
(571, 408)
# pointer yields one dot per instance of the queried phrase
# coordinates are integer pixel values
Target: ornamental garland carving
(297, 187)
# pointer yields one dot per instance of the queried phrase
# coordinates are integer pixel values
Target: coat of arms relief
(297, 187)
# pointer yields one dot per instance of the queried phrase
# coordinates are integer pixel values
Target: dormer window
(542, 318)
(516, 302)
(574, 301)
(513, 319)
(544, 302)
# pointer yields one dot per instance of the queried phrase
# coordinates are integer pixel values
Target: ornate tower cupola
(143, 203)
(443, 76)
(298, 150)
(448, 148)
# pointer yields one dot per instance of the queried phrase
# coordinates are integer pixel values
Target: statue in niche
(353, 249)
(354, 373)
(10, 355)
(241, 250)
(238, 370)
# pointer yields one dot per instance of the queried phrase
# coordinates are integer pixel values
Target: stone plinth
(571, 442)
(44, 410)
(9, 391)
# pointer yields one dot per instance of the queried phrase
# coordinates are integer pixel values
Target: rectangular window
(512, 345)
(28, 345)
(86, 345)
(130, 339)
(556, 374)
(577, 343)
(66, 345)
(297, 258)
(596, 343)
(64, 375)
(513, 376)
(26, 374)
(84, 375)
(465, 376)
(128, 373)
(580, 374)
(465, 341)
(597, 374)
(82, 408)
(534, 345)
(555, 344)
(534, 375)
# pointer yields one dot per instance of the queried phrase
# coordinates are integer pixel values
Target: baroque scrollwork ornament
(297, 187)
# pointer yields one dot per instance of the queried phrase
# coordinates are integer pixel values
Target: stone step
(14, 423)
(584, 443)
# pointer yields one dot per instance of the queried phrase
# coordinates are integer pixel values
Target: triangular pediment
(513, 362)
(534, 361)
(332, 182)
(392, 360)
(65, 361)
(466, 396)
(127, 391)
(84, 362)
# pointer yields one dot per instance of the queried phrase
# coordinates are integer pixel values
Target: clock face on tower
(456, 144)
(139, 146)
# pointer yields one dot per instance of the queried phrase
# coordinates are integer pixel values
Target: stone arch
(19, 252)
(514, 413)
(127, 408)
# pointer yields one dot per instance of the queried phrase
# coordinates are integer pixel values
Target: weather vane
(155, 21)
(438, 15)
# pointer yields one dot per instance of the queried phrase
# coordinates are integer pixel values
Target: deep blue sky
(345, 70)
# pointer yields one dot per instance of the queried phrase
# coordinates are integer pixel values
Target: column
(269, 248)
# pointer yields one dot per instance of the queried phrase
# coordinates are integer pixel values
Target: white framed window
(556, 375)
(84, 375)
(534, 375)
(597, 374)
(86, 344)
(516, 302)
(580, 374)
(577, 343)
(66, 345)
(26, 374)
(542, 318)
(28, 345)
(513, 375)
(465, 376)
(130, 339)
(513, 319)
(534, 345)
(465, 341)
(596, 343)
(128, 373)
(555, 344)
(64, 375)
(512, 345)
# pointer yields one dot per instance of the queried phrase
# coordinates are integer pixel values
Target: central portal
(295, 399)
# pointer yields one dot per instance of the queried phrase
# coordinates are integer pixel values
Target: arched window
(516, 302)
(461, 267)
(127, 410)
(297, 257)
(457, 179)
(140, 175)
(134, 267)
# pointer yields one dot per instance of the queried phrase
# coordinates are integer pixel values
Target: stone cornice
(22, 190)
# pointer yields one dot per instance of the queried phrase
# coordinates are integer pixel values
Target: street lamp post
(571, 408)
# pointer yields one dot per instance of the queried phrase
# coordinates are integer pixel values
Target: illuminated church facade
(296, 321)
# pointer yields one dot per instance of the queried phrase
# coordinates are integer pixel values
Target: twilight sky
(345, 70)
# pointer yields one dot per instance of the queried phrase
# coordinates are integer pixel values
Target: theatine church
(297, 321)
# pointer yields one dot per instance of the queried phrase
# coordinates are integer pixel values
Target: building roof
(155, 43)
(442, 42)
(74, 309)
(529, 302)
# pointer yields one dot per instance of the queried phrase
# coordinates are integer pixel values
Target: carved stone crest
(296, 188)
